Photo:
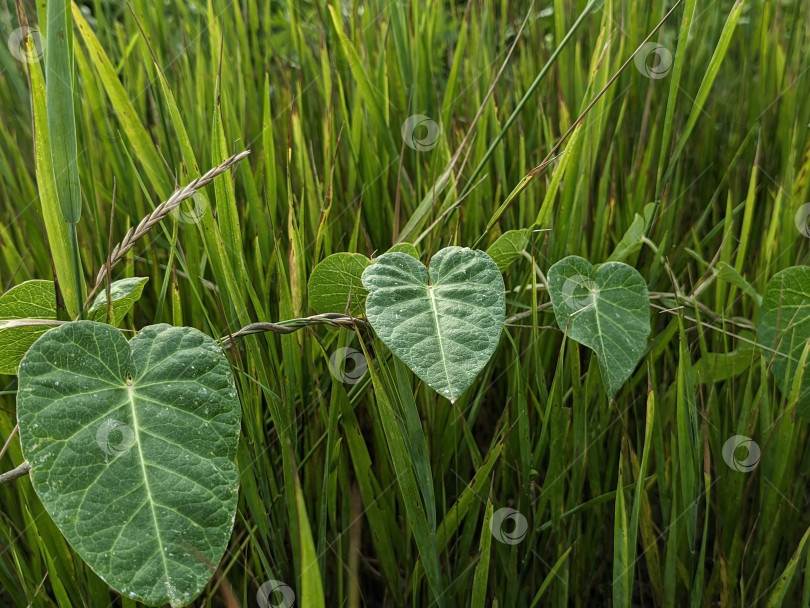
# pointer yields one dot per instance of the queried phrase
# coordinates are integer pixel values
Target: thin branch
(8, 441)
(15, 473)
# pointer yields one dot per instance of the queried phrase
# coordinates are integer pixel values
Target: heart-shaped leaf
(607, 310)
(37, 300)
(726, 272)
(404, 248)
(29, 300)
(716, 367)
(444, 323)
(123, 295)
(335, 285)
(132, 448)
(630, 243)
(784, 328)
(509, 247)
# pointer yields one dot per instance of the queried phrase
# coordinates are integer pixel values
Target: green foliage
(311, 586)
(29, 300)
(152, 427)
(729, 274)
(36, 299)
(607, 310)
(123, 295)
(444, 323)
(784, 329)
(508, 248)
(57, 229)
(61, 120)
(696, 177)
(405, 248)
(630, 244)
(335, 284)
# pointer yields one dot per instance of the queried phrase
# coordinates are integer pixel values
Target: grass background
(628, 503)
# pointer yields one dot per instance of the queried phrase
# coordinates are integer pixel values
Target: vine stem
(282, 327)
(15, 472)
(293, 325)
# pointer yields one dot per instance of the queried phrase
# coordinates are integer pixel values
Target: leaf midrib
(441, 343)
(600, 334)
(136, 430)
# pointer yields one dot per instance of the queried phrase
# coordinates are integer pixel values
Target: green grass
(627, 503)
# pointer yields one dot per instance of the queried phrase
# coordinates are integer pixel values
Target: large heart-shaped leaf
(607, 310)
(784, 328)
(132, 448)
(444, 323)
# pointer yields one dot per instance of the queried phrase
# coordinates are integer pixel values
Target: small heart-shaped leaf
(404, 248)
(630, 243)
(132, 448)
(37, 300)
(509, 247)
(123, 295)
(607, 310)
(784, 328)
(335, 285)
(29, 300)
(444, 323)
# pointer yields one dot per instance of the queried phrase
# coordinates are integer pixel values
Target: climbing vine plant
(131, 444)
